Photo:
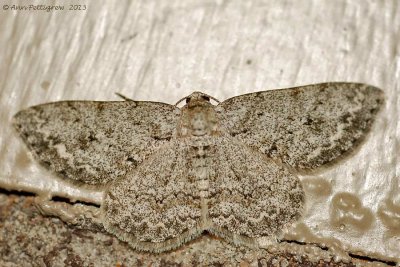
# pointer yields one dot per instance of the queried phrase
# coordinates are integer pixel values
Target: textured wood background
(164, 50)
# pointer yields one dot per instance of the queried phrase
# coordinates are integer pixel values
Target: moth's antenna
(180, 100)
(213, 98)
(197, 94)
(124, 97)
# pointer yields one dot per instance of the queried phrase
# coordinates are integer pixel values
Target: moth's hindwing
(158, 206)
(231, 191)
(252, 196)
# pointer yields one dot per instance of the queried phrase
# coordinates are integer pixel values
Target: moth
(170, 174)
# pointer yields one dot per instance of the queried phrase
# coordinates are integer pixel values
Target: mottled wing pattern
(95, 142)
(306, 127)
(158, 206)
(251, 196)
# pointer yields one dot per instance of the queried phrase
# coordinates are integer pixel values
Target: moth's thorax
(198, 117)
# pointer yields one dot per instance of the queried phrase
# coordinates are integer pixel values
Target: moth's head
(197, 99)
(198, 116)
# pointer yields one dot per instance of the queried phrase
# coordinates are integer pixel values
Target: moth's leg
(124, 97)
(81, 215)
(266, 241)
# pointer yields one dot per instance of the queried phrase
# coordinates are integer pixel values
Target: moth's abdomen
(201, 159)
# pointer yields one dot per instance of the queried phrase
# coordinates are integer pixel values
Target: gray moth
(170, 174)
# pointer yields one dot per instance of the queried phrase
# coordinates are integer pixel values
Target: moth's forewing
(306, 127)
(95, 142)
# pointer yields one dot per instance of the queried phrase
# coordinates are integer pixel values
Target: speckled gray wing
(157, 207)
(306, 127)
(95, 142)
(251, 196)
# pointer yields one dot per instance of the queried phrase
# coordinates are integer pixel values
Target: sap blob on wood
(170, 174)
